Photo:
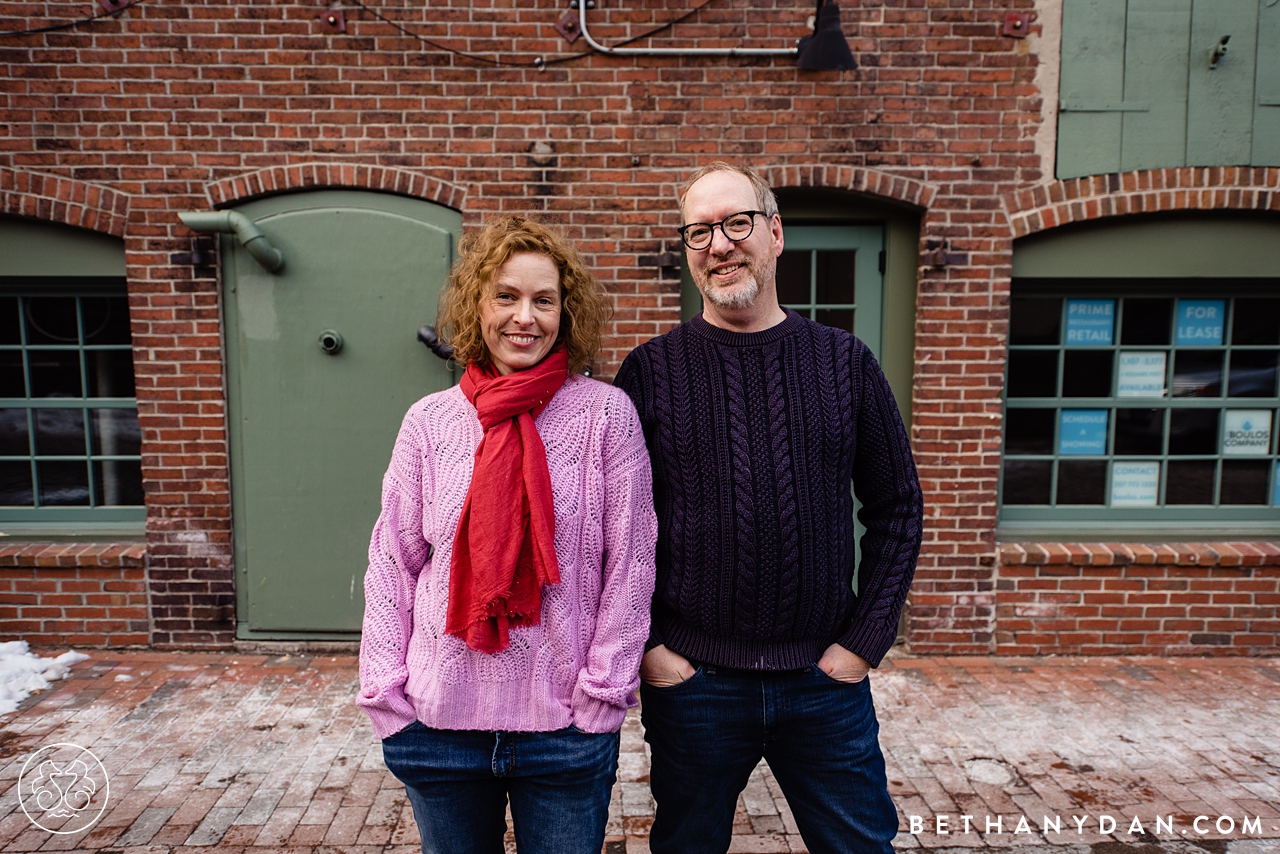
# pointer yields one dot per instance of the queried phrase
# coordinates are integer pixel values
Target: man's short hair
(764, 193)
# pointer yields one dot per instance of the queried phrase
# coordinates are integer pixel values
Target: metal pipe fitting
(234, 222)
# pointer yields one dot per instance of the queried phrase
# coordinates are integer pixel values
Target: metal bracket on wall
(670, 51)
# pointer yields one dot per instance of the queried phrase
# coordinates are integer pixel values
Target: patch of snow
(22, 672)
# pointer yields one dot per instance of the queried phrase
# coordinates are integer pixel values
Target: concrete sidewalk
(258, 754)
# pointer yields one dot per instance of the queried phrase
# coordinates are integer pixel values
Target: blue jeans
(459, 780)
(819, 736)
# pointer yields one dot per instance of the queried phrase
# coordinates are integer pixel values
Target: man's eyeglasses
(737, 227)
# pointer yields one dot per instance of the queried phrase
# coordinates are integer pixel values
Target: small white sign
(1134, 484)
(1246, 432)
(1142, 374)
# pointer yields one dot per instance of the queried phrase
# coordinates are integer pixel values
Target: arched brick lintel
(872, 182)
(66, 201)
(314, 176)
(1057, 203)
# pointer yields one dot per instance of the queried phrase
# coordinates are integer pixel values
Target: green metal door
(312, 431)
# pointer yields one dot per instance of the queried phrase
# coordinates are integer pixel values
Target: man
(757, 421)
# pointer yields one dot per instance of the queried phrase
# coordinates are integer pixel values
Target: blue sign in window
(1090, 322)
(1082, 431)
(1200, 321)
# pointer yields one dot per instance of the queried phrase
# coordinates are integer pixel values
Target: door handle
(427, 335)
(1217, 52)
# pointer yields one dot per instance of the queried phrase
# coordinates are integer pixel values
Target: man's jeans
(819, 736)
(459, 780)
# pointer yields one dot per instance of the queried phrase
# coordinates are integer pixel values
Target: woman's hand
(663, 668)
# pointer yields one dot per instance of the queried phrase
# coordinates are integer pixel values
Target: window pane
(1027, 481)
(793, 278)
(840, 318)
(15, 484)
(118, 482)
(110, 373)
(55, 373)
(9, 333)
(1139, 431)
(835, 276)
(1086, 373)
(1190, 482)
(1146, 321)
(1028, 431)
(1257, 321)
(1193, 431)
(60, 432)
(1197, 373)
(12, 381)
(1253, 374)
(1244, 481)
(1035, 321)
(106, 320)
(1033, 373)
(51, 320)
(13, 433)
(63, 483)
(1082, 481)
(115, 432)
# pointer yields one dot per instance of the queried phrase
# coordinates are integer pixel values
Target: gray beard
(739, 298)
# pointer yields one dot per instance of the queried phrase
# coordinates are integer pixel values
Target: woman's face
(520, 318)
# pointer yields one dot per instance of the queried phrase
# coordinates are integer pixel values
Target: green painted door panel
(1220, 101)
(1266, 110)
(1156, 76)
(311, 433)
(1092, 87)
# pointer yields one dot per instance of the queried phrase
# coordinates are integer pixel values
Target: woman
(510, 573)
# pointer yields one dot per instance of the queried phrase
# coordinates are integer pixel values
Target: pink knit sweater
(579, 665)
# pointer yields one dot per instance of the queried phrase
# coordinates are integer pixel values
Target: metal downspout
(234, 222)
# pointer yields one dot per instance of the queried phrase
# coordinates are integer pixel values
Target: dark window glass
(1197, 373)
(1256, 321)
(840, 318)
(115, 432)
(13, 382)
(1139, 431)
(110, 373)
(63, 484)
(1035, 321)
(1033, 373)
(117, 482)
(1082, 481)
(51, 320)
(60, 432)
(1027, 481)
(15, 484)
(106, 320)
(1086, 373)
(1029, 431)
(1244, 481)
(1193, 431)
(9, 332)
(1253, 374)
(13, 433)
(1146, 321)
(55, 373)
(835, 276)
(793, 278)
(1190, 482)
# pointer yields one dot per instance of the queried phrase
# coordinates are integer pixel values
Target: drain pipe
(234, 222)
(583, 5)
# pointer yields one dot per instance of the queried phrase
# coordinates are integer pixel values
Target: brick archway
(1058, 203)
(869, 181)
(63, 200)
(313, 176)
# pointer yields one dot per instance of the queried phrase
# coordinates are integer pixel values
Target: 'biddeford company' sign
(1246, 432)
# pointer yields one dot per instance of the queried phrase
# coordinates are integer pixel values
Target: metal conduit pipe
(673, 51)
(234, 222)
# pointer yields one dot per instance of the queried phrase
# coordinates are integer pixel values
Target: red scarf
(504, 550)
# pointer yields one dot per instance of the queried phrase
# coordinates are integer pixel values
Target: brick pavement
(256, 754)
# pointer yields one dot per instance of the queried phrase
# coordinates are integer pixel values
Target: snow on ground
(23, 672)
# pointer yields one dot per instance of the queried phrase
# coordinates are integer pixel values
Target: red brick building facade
(115, 125)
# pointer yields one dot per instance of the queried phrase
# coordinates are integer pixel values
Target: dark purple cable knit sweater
(754, 440)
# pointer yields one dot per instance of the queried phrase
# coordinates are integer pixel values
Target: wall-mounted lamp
(826, 49)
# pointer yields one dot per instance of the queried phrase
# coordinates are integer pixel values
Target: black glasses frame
(713, 225)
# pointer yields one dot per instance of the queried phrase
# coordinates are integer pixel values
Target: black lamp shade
(827, 49)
